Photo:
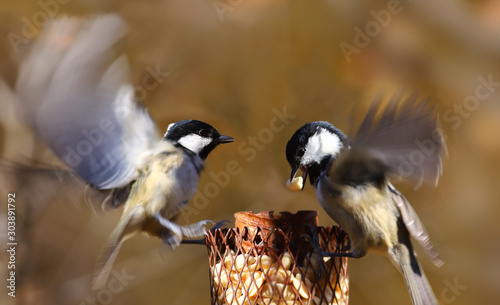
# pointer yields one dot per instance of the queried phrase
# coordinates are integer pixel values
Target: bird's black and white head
(312, 149)
(195, 136)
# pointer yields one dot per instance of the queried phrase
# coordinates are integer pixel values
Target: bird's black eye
(300, 151)
(203, 133)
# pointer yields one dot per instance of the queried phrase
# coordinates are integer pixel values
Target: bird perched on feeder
(74, 95)
(352, 184)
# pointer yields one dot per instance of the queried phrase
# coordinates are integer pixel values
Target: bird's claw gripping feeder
(269, 259)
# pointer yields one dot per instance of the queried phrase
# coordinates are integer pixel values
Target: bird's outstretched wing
(74, 94)
(405, 136)
(403, 141)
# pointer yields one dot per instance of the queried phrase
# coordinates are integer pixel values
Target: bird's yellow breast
(367, 213)
(165, 184)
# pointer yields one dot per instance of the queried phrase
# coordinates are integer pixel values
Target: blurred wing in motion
(45, 180)
(403, 141)
(74, 94)
(405, 137)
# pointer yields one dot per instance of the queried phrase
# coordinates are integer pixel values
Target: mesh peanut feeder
(268, 259)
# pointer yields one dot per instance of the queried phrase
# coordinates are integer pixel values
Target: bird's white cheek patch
(194, 142)
(330, 143)
(321, 144)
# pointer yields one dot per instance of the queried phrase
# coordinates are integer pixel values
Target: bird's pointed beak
(304, 174)
(225, 139)
(294, 171)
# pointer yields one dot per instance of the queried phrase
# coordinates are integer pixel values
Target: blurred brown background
(235, 64)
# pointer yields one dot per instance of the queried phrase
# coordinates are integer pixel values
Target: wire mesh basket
(270, 259)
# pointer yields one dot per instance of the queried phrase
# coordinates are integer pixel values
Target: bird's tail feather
(126, 227)
(105, 264)
(418, 286)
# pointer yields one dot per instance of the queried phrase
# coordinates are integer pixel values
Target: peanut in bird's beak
(297, 183)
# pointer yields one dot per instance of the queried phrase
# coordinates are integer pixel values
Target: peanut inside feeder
(267, 259)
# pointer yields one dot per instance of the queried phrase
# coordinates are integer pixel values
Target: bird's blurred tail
(418, 286)
(127, 226)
